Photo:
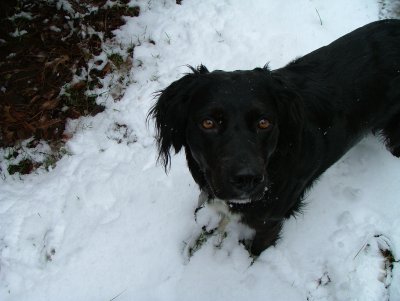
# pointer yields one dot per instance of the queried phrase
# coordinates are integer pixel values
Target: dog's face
(231, 133)
(229, 124)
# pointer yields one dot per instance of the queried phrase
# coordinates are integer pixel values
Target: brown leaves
(56, 62)
(36, 66)
(42, 62)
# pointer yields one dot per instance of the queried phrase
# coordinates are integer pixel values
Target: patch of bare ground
(47, 53)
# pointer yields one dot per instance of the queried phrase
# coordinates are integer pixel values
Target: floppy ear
(290, 114)
(170, 114)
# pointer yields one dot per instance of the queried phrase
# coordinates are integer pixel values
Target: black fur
(317, 107)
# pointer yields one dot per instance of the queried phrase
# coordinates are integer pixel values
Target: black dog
(258, 139)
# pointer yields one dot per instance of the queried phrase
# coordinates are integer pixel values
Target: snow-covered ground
(108, 224)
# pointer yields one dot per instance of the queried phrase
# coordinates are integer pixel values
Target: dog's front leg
(266, 235)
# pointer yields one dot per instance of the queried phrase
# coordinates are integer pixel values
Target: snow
(108, 224)
(17, 33)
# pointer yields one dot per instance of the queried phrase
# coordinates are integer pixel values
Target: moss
(116, 59)
(23, 167)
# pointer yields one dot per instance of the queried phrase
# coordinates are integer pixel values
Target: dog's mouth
(239, 201)
(221, 187)
(234, 197)
(248, 199)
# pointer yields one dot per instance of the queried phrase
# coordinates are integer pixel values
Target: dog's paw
(207, 217)
(217, 226)
(207, 222)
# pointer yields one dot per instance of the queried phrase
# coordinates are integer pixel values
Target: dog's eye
(263, 124)
(208, 124)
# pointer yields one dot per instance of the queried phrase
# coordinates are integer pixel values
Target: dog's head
(232, 125)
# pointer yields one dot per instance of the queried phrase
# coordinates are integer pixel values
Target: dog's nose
(246, 180)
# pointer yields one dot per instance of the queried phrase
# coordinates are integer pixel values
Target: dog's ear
(170, 113)
(290, 115)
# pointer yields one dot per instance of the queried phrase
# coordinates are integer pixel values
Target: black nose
(246, 180)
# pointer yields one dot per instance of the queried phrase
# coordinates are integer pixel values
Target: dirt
(43, 47)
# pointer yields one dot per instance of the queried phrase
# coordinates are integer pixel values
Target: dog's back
(357, 75)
